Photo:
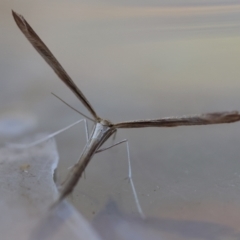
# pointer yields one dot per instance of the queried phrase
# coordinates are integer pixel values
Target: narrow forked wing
(43, 50)
(202, 119)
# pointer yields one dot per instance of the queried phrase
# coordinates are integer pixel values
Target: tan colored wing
(202, 119)
(43, 50)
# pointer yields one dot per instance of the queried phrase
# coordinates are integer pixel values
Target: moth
(103, 129)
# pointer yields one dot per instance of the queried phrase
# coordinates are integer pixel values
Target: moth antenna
(72, 107)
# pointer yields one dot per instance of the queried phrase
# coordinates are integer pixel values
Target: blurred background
(134, 60)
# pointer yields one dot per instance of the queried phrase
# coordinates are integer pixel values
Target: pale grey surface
(136, 61)
(27, 191)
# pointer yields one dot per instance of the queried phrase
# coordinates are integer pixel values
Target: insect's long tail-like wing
(43, 50)
(202, 119)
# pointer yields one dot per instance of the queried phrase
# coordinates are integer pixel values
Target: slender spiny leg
(71, 167)
(86, 134)
(19, 146)
(103, 149)
(87, 138)
(132, 184)
(86, 129)
(129, 175)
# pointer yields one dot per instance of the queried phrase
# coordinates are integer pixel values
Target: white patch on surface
(27, 190)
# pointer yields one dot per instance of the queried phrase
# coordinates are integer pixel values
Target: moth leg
(115, 144)
(139, 208)
(132, 183)
(72, 167)
(22, 146)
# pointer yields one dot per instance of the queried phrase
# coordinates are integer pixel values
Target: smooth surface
(27, 190)
(135, 61)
